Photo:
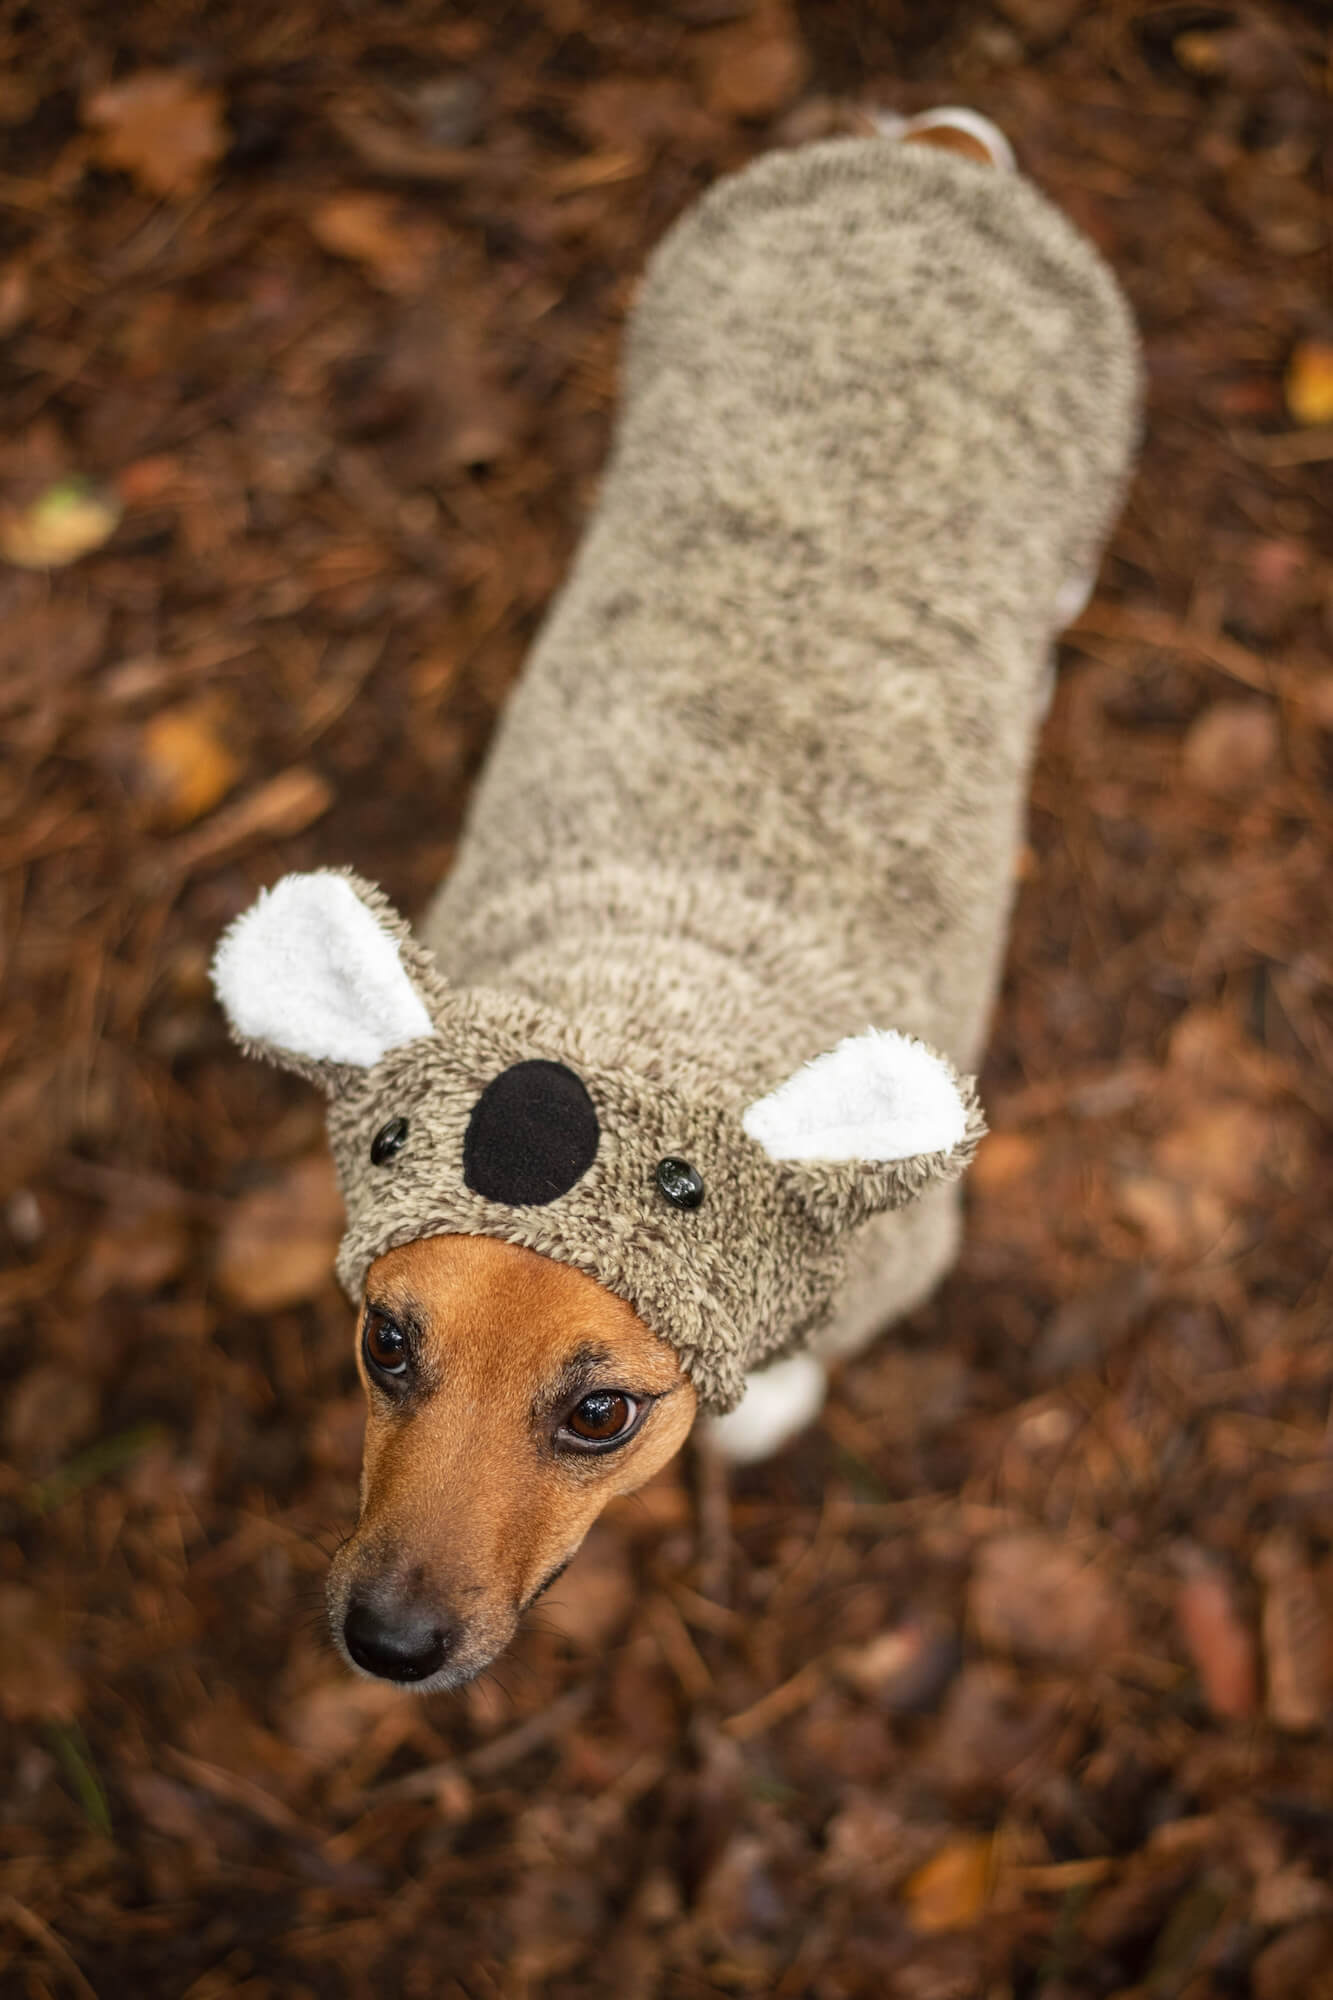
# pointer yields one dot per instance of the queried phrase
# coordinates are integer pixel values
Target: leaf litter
(1015, 1675)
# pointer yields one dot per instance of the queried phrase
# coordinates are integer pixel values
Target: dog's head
(561, 1245)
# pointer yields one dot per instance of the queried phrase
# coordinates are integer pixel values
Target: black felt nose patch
(533, 1132)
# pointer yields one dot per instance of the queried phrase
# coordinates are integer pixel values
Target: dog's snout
(398, 1642)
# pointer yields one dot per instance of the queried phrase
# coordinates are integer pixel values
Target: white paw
(956, 117)
(778, 1402)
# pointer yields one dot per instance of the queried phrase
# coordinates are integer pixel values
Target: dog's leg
(778, 1402)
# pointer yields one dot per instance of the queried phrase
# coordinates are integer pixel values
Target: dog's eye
(603, 1417)
(385, 1344)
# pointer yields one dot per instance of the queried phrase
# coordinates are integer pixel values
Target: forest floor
(1014, 1677)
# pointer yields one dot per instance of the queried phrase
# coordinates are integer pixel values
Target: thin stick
(32, 1926)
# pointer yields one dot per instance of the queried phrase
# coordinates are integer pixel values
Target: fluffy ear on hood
(868, 1126)
(322, 974)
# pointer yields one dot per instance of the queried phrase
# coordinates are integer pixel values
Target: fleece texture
(761, 785)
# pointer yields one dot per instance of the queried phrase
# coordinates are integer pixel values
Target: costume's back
(878, 408)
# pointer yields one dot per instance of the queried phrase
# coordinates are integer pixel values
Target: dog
(761, 785)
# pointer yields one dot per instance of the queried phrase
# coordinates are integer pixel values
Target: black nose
(401, 1644)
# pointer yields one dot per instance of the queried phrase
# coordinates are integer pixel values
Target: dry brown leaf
(137, 1253)
(951, 1891)
(1289, 1896)
(991, 1726)
(1297, 1962)
(1218, 1641)
(1297, 1635)
(1180, 1223)
(278, 1244)
(70, 519)
(1309, 383)
(331, 1720)
(37, 1683)
(48, 1411)
(1237, 1151)
(185, 764)
(163, 127)
(1003, 1158)
(905, 1669)
(1232, 749)
(396, 252)
(591, 1600)
(1031, 1594)
(752, 68)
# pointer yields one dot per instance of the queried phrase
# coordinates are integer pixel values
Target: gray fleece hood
(479, 1112)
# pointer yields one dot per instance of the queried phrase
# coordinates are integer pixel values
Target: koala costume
(759, 792)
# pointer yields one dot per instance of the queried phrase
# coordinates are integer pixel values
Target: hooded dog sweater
(757, 797)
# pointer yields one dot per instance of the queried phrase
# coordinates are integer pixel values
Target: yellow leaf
(951, 1891)
(1310, 382)
(187, 767)
(66, 522)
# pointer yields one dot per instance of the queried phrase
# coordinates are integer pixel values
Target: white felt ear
(877, 1096)
(309, 970)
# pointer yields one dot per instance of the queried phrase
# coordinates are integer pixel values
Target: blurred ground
(1015, 1678)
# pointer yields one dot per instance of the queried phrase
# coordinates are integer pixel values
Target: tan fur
(464, 1502)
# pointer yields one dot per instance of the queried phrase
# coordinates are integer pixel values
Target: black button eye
(390, 1139)
(680, 1183)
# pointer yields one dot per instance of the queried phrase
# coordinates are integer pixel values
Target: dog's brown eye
(385, 1345)
(602, 1416)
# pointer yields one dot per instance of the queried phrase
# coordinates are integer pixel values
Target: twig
(41, 1933)
(488, 1759)
(777, 1705)
(714, 1504)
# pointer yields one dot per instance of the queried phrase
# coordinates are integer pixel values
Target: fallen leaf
(1297, 1635)
(278, 1244)
(1298, 1961)
(186, 766)
(1041, 23)
(905, 1669)
(337, 1434)
(68, 520)
(1232, 749)
(37, 1682)
(752, 68)
(867, 1834)
(1238, 1152)
(589, 1603)
(1219, 1643)
(1003, 1158)
(1289, 1896)
(1180, 1223)
(1032, 1594)
(1089, 1326)
(331, 1720)
(397, 253)
(47, 1412)
(1309, 382)
(163, 127)
(991, 1725)
(951, 1891)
